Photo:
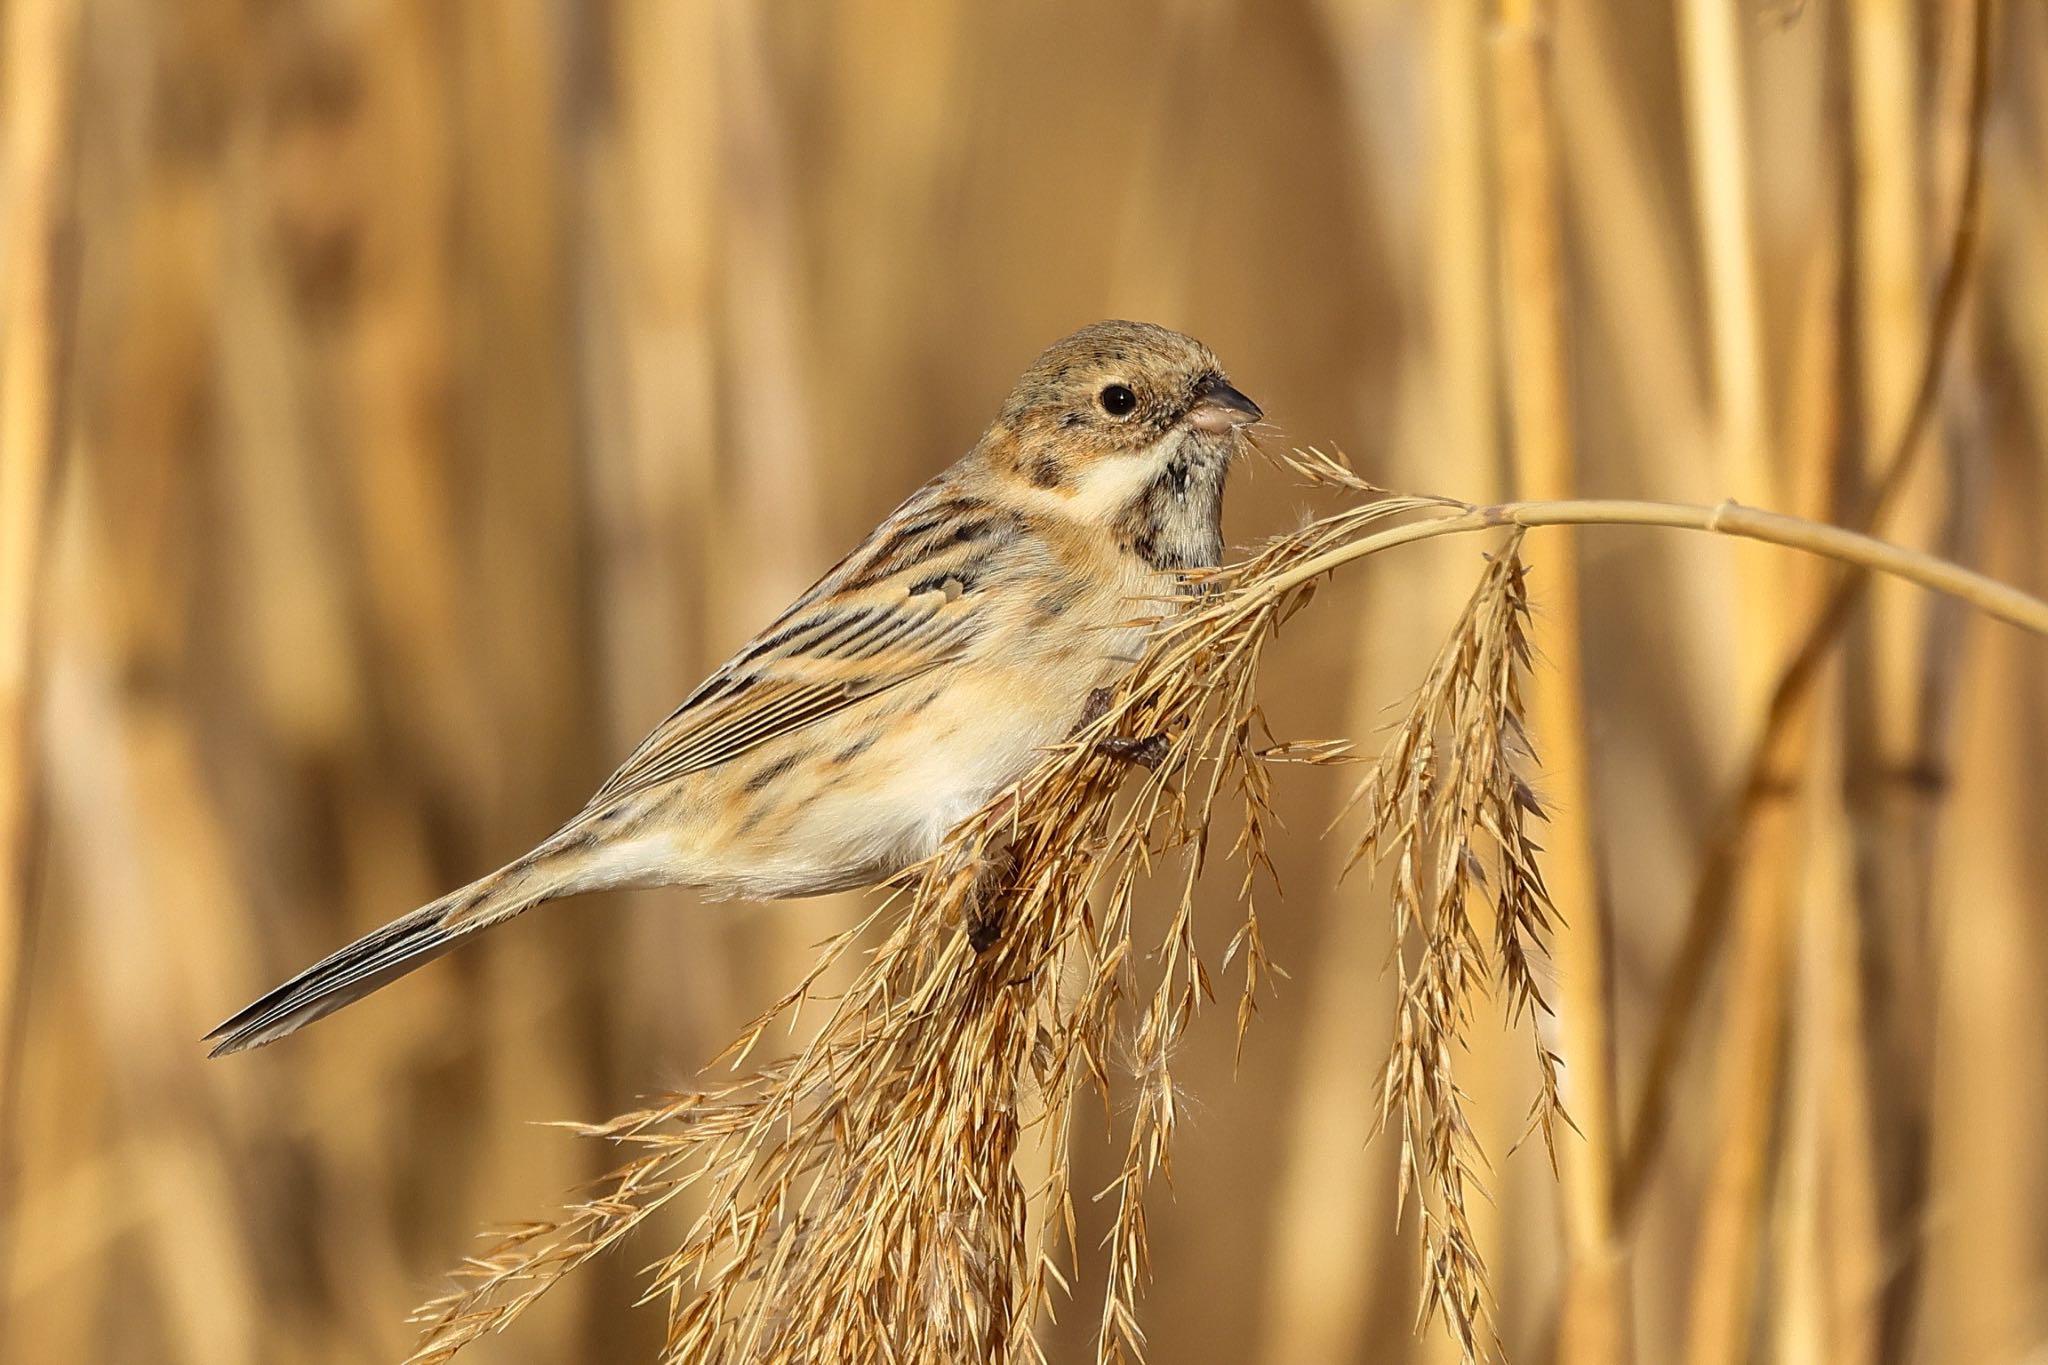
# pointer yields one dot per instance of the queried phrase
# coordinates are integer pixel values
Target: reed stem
(2000, 600)
(1592, 1326)
(34, 313)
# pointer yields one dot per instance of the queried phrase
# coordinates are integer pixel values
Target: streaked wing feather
(881, 618)
(766, 711)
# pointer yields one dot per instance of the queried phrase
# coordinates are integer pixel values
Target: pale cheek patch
(1105, 487)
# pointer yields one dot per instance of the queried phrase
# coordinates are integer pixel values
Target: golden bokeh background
(406, 401)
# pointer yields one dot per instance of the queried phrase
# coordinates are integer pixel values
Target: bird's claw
(1146, 752)
(1096, 708)
(985, 929)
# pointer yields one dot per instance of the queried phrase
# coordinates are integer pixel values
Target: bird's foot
(985, 927)
(983, 914)
(1147, 751)
(1096, 708)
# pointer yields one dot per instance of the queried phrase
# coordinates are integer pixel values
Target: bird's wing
(908, 601)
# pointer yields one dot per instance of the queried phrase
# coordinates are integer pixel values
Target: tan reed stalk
(1464, 299)
(153, 921)
(399, 394)
(399, 376)
(914, 108)
(280, 375)
(1834, 1247)
(1983, 1257)
(1331, 1271)
(1333, 1210)
(1899, 775)
(1798, 1308)
(1885, 67)
(2020, 282)
(1156, 219)
(1462, 249)
(1716, 108)
(1332, 1204)
(512, 318)
(1639, 283)
(1593, 1324)
(654, 465)
(1720, 864)
(1983, 1262)
(772, 456)
(1982, 1254)
(1887, 766)
(36, 108)
(774, 493)
(155, 888)
(1731, 1206)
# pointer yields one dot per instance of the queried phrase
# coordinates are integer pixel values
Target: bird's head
(1125, 422)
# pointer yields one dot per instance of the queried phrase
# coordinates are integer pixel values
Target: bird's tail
(382, 956)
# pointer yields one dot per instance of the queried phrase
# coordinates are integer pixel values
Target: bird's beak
(1220, 408)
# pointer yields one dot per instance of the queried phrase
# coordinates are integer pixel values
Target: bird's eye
(1117, 400)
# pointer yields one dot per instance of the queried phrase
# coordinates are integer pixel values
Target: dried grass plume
(861, 1200)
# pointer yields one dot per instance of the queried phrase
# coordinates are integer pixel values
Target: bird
(920, 677)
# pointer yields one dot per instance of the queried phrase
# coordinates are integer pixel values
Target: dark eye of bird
(1117, 400)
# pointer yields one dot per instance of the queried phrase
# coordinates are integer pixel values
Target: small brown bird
(918, 678)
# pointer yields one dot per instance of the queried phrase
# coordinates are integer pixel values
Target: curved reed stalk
(860, 1200)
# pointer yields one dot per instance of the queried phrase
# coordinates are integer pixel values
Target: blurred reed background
(404, 403)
